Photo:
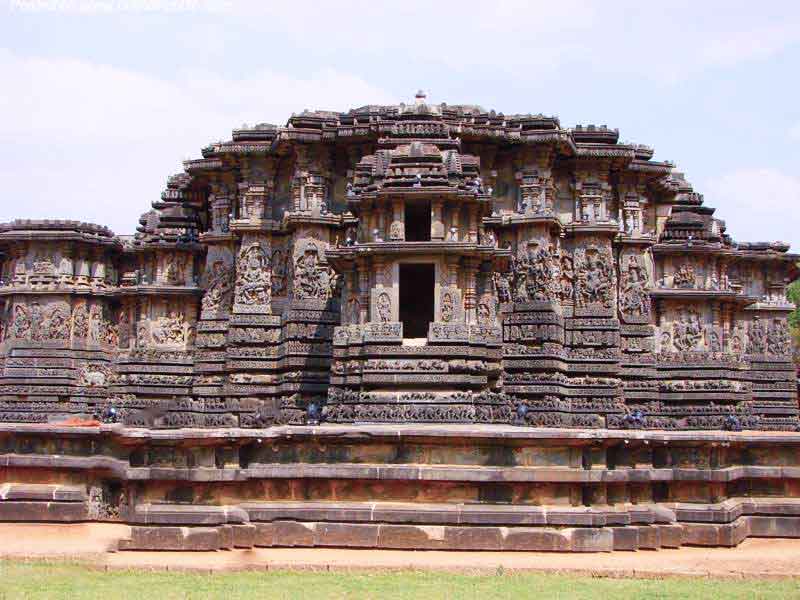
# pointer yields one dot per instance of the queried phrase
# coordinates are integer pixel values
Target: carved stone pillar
(472, 235)
(454, 232)
(437, 225)
(397, 228)
(470, 295)
(363, 268)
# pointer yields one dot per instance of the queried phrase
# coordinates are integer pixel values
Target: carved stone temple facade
(469, 275)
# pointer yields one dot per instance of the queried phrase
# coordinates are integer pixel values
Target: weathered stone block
(351, 535)
(172, 538)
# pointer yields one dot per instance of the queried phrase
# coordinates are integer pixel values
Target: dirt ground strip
(95, 543)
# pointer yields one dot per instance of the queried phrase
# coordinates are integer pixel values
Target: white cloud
(757, 204)
(96, 142)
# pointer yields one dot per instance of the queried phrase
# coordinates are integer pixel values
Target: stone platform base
(493, 488)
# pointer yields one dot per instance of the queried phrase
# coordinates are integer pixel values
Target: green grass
(61, 580)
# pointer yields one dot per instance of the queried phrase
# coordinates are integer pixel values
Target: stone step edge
(293, 534)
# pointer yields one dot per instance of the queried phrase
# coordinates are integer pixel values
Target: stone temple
(416, 326)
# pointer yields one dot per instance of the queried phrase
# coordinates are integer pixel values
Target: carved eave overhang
(216, 237)
(152, 244)
(727, 296)
(203, 165)
(238, 226)
(24, 230)
(690, 247)
(157, 290)
(105, 291)
(511, 220)
(616, 157)
(608, 228)
(649, 172)
(635, 240)
(293, 220)
(344, 255)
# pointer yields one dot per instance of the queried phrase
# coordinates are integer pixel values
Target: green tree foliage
(794, 296)
(794, 319)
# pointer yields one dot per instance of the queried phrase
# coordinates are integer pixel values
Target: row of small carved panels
(453, 365)
(557, 351)
(151, 368)
(388, 379)
(561, 379)
(599, 325)
(535, 333)
(775, 395)
(559, 390)
(276, 390)
(404, 413)
(39, 372)
(43, 406)
(427, 351)
(514, 364)
(144, 356)
(60, 357)
(539, 318)
(752, 422)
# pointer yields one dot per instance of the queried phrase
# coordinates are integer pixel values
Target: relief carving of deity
(635, 299)
(80, 321)
(174, 270)
(311, 279)
(96, 323)
(594, 276)
(778, 338)
(687, 331)
(447, 307)
(55, 325)
(353, 310)
(218, 291)
(684, 277)
(21, 324)
(253, 285)
(538, 275)
(757, 337)
(502, 287)
(384, 307)
(279, 272)
(169, 330)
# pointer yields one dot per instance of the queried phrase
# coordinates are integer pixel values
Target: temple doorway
(418, 221)
(416, 298)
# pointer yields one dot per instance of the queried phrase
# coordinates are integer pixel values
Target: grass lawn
(63, 580)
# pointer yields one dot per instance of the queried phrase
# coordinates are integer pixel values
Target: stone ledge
(176, 514)
(456, 514)
(402, 431)
(42, 492)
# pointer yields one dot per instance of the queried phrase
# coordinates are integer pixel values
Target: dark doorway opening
(418, 221)
(416, 299)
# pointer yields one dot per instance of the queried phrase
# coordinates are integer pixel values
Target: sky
(102, 100)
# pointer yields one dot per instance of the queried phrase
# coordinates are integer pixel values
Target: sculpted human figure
(447, 307)
(309, 276)
(80, 321)
(21, 325)
(635, 298)
(502, 287)
(384, 306)
(219, 286)
(96, 323)
(757, 338)
(253, 284)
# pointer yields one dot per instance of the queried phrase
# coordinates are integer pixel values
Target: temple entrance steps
(413, 526)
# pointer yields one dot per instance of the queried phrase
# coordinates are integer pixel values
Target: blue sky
(103, 99)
